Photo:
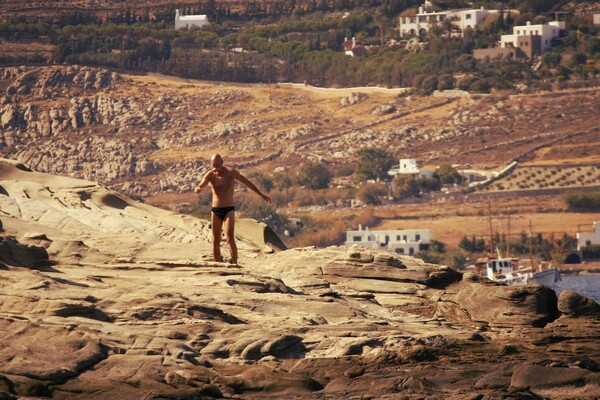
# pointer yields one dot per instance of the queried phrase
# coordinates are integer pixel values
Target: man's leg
(229, 234)
(217, 229)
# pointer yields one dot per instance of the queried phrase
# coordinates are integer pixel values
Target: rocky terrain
(104, 297)
(144, 135)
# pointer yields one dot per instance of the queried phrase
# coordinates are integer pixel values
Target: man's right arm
(203, 183)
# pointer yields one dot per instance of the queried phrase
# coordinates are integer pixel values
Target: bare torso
(222, 184)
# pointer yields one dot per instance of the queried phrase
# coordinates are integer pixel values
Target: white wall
(546, 31)
(190, 20)
(460, 18)
(592, 237)
(403, 241)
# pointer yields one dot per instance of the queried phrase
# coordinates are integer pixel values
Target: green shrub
(583, 201)
(313, 175)
(372, 193)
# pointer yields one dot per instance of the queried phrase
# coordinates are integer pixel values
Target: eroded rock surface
(129, 305)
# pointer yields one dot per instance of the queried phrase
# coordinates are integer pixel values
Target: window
(518, 32)
(400, 251)
(467, 16)
(411, 251)
(357, 238)
(398, 237)
(588, 243)
(404, 237)
(417, 237)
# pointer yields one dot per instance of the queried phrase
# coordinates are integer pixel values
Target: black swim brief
(222, 212)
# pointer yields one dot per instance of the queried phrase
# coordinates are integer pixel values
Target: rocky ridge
(102, 297)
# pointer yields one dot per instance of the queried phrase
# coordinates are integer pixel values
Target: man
(221, 180)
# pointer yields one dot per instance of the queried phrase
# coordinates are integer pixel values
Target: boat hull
(547, 277)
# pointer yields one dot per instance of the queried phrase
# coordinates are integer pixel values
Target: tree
(313, 175)
(371, 193)
(473, 245)
(374, 163)
(457, 260)
(429, 84)
(448, 174)
(428, 184)
(404, 186)
(465, 63)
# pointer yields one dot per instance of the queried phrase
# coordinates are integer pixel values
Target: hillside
(104, 297)
(147, 134)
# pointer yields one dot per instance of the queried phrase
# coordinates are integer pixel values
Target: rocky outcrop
(12, 252)
(574, 304)
(352, 99)
(56, 81)
(96, 158)
(133, 306)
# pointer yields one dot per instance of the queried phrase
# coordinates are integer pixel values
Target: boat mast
(508, 236)
(530, 245)
(491, 232)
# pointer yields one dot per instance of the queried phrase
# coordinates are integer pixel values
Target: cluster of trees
(520, 245)
(583, 201)
(299, 41)
(470, 248)
(591, 252)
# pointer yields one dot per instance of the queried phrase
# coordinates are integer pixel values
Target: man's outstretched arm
(203, 183)
(251, 186)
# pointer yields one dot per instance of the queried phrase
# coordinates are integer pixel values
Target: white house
(426, 18)
(190, 20)
(528, 35)
(408, 166)
(585, 239)
(401, 241)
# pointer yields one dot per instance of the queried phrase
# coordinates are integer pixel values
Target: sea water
(588, 285)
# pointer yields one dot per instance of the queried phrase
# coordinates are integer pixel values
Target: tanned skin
(221, 180)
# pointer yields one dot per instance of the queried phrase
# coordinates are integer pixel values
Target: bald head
(216, 161)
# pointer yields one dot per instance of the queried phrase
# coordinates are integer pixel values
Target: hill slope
(149, 134)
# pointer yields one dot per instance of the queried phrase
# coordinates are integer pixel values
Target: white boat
(502, 270)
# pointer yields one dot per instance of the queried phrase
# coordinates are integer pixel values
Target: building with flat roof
(421, 22)
(533, 39)
(189, 21)
(408, 166)
(401, 241)
(585, 239)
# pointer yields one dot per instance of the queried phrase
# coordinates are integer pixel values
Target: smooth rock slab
(47, 353)
(538, 377)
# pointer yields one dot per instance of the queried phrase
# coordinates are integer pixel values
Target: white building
(585, 239)
(408, 166)
(190, 21)
(401, 241)
(424, 20)
(524, 35)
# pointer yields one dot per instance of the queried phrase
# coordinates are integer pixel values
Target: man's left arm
(251, 186)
